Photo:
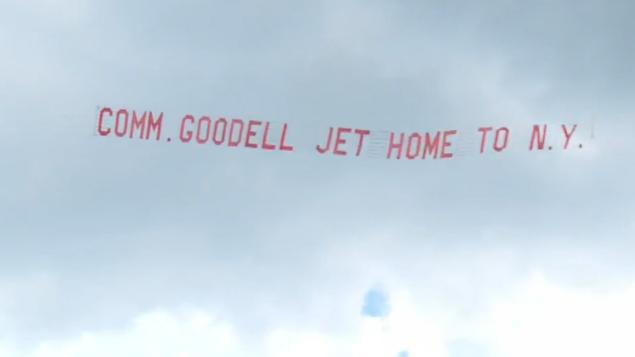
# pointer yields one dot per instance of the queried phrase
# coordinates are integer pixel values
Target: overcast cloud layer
(132, 248)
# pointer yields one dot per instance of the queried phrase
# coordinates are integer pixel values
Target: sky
(144, 248)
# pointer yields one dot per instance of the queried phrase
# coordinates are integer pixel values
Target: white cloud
(406, 328)
(159, 333)
(539, 318)
(197, 333)
(287, 343)
(546, 319)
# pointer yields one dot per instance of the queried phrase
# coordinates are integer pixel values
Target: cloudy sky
(114, 247)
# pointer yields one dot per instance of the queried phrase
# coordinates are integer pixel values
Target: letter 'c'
(100, 128)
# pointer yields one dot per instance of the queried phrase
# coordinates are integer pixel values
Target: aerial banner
(344, 141)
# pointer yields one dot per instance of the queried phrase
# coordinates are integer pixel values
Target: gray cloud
(95, 230)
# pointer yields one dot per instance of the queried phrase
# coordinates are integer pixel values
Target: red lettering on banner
(538, 138)
(339, 140)
(324, 149)
(484, 132)
(265, 144)
(100, 125)
(447, 144)
(362, 133)
(251, 133)
(121, 113)
(216, 130)
(497, 146)
(567, 134)
(204, 120)
(409, 154)
(154, 125)
(138, 122)
(283, 137)
(127, 125)
(393, 145)
(231, 141)
(431, 146)
(186, 135)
